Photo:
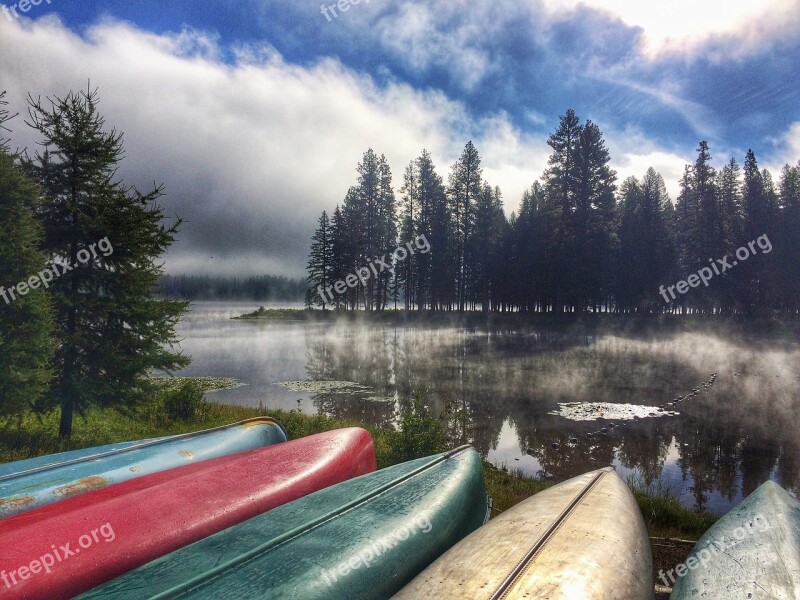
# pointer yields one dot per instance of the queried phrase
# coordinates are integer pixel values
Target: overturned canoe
(44, 480)
(108, 532)
(582, 539)
(51, 459)
(752, 552)
(361, 539)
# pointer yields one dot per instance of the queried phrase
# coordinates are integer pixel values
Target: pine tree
(409, 223)
(760, 205)
(436, 274)
(687, 227)
(630, 288)
(484, 245)
(321, 265)
(4, 117)
(26, 319)
(527, 288)
(464, 190)
(340, 251)
(732, 218)
(646, 254)
(386, 230)
(593, 220)
(560, 191)
(788, 241)
(112, 330)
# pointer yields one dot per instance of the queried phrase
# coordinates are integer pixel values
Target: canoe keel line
(525, 563)
(582, 539)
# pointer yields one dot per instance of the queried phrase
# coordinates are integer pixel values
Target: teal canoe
(752, 552)
(364, 538)
(29, 484)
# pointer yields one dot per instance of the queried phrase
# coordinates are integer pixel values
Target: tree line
(78, 327)
(257, 288)
(580, 241)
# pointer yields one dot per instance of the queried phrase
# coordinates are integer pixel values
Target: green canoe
(752, 552)
(364, 538)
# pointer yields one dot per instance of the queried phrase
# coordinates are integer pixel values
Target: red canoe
(66, 548)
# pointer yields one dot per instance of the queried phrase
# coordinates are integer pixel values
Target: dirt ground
(667, 554)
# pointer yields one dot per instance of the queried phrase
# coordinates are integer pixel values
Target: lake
(505, 391)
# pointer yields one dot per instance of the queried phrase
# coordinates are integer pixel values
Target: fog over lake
(502, 385)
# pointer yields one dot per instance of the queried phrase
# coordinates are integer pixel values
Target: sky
(254, 114)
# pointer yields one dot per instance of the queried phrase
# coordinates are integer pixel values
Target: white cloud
(681, 26)
(252, 152)
(435, 34)
(785, 151)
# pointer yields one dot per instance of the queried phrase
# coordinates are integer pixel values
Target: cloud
(252, 145)
(684, 26)
(251, 152)
(633, 153)
(785, 150)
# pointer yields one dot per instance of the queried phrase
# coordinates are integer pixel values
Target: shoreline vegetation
(180, 407)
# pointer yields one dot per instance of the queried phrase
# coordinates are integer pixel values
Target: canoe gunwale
(221, 568)
(148, 444)
(522, 566)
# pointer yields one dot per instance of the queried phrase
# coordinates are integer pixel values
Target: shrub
(185, 403)
(420, 434)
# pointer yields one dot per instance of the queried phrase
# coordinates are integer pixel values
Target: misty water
(501, 388)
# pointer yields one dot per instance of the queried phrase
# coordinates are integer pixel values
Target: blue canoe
(50, 459)
(364, 538)
(29, 484)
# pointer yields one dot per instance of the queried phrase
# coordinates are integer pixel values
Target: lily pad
(591, 411)
(322, 387)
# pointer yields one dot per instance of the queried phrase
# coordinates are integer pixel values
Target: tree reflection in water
(726, 441)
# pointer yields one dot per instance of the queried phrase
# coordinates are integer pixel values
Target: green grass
(34, 435)
(666, 517)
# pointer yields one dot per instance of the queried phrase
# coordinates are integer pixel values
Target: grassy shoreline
(35, 435)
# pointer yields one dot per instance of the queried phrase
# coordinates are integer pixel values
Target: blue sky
(254, 113)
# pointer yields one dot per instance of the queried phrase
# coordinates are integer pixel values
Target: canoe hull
(151, 516)
(38, 462)
(42, 481)
(752, 552)
(584, 538)
(363, 538)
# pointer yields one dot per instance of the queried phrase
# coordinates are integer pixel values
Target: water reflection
(501, 384)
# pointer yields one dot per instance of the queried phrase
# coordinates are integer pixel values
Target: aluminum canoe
(364, 538)
(584, 539)
(753, 552)
(121, 527)
(37, 482)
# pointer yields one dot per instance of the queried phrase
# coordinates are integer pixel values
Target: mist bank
(778, 327)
